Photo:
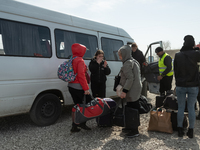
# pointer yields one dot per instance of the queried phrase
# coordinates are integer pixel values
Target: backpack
(66, 72)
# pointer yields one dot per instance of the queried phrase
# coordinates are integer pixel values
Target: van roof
(22, 9)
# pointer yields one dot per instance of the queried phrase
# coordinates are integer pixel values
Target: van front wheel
(45, 110)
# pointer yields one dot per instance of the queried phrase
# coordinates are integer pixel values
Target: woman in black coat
(99, 69)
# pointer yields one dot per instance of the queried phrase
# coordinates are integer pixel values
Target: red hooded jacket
(79, 66)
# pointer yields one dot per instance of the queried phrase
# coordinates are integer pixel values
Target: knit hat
(158, 49)
(189, 41)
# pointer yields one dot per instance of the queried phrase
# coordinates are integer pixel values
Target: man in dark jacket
(187, 82)
(165, 70)
(138, 55)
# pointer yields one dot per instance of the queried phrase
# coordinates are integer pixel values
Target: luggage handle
(84, 103)
(122, 106)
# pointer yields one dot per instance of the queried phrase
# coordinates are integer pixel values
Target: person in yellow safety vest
(165, 70)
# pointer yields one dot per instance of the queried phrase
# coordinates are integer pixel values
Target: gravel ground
(19, 133)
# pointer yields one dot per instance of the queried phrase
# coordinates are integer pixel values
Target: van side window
(111, 47)
(65, 39)
(20, 39)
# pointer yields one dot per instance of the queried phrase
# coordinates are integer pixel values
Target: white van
(33, 43)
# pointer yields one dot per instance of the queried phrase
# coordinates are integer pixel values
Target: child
(99, 69)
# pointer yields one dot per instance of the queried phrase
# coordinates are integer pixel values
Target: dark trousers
(98, 89)
(78, 97)
(134, 105)
(166, 84)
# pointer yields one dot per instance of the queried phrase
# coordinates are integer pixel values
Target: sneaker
(75, 129)
(180, 132)
(190, 133)
(133, 133)
(83, 126)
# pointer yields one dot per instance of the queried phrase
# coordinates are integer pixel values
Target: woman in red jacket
(79, 87)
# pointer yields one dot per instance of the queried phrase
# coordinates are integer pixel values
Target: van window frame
(80, 43)
(111, 39)
(26, 23)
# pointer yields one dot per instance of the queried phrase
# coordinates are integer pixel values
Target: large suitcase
(107, 120)
(159, 101)
(126, 117)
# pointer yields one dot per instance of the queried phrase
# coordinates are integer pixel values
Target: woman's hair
(98, 52)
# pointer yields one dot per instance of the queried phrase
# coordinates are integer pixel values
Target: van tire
(45, 110)
(144, 88)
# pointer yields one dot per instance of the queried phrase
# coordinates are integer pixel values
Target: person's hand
(123, 95)
(99, 59)
(159, 78)
(87, 68)
(87, 92)
(105, 64)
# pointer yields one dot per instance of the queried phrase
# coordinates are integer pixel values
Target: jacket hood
(126, 53)
(78, 50)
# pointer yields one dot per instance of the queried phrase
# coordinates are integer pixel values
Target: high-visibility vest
(162, 66)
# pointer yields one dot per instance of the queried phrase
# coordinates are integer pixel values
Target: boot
(133, 133)
(190, 133)
(84, 126)
(180, 132)
(74, 128)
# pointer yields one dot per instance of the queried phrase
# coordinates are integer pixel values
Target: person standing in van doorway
(165, 70)
(79, 87)
(138, 55)
(99, 69)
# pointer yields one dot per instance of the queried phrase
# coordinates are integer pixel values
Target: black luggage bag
(107, 120)
(159, 101)
(174, 121)
(171, 102)
(126, 117)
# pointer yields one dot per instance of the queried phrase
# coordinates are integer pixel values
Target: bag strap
(191, 61)
(84, 103)
(123, 106)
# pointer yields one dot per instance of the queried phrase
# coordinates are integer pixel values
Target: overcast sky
(146, 21)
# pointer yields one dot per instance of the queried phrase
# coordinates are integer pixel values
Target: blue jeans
(192, 93)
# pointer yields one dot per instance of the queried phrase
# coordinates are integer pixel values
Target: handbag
(160, 120)
(145, 107)
(117, 80)
(84, 112)
(170, 102)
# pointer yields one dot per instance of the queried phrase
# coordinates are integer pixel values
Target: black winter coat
(185, 70)
(98, 72)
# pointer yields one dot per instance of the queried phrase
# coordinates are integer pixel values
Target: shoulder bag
(160, 120)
